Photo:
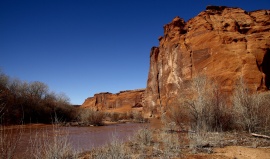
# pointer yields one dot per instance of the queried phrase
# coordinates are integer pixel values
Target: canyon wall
(223, 43)
(123, 101)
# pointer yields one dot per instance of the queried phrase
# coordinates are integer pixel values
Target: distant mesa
(122, 101)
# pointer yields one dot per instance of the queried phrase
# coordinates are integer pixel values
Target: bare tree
(38, 90)
(200, 104)
(250, 109)
(62, 98)
(203, 107)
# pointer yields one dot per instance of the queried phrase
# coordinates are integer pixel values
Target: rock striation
(124, 100)
(221, 42)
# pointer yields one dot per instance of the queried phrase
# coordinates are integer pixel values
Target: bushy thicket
(31, 102)
(134, 116)
(207, 108)
(251, 110)
(91, 117)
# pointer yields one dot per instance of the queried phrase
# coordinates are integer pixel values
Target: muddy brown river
(81, 138)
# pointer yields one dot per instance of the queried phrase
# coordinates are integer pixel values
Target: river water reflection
(81, 138)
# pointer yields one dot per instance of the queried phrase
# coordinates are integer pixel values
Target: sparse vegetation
(132, 116)
(52, 146)
(113, 150)
(9, 140)
(115, 117)
(205, 114)
(141, 145)
(138, 117)
(144, 136)
(207, 109)
(91, 117)
(251, 110)
(203, 109)
(170, 144)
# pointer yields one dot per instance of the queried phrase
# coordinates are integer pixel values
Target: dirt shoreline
(234, 152)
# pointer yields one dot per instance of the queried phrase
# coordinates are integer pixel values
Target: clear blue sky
(83, 47)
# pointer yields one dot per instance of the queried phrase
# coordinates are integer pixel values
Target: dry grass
(201, 142)
(113, 150)
(157, 143)
(9, 139)
(144, 136)
(53, 145)
(170, 145)
(147, 143)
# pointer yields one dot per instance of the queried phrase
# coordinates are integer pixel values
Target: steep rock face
(124, 100)
(223, 43)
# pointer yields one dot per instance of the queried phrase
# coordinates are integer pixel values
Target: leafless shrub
(171, 144)
(49, 146)
(138, 117)
(126, 115)
(144, 136)
(204, 141)
(204, 108)
(176, 118)
(222, 117)
(201, 106)
(251, 110)
(264, 114)
(91, 117)
(113, 150)
(135, 116)
(141, 142)
(114, 116)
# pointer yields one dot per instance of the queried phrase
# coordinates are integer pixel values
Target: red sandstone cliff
(122, 101)
(223, 43)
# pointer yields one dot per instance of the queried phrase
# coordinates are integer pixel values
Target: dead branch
(261, 136)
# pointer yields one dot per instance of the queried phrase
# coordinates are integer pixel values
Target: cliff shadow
(266, 68)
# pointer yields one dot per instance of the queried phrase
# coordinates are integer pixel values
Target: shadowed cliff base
(266, 68)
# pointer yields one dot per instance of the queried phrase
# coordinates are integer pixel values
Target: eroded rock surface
(220, 42)
(108, 101)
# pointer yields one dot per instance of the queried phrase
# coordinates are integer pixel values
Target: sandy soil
(228, 152)
(234, 152)
(244, 152)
